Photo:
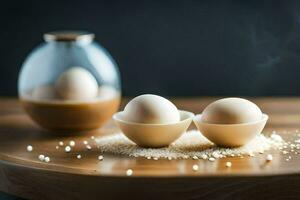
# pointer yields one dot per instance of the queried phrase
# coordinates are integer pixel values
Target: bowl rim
(189, 115)
(197, 120)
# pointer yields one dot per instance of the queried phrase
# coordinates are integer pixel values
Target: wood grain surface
(66, 177)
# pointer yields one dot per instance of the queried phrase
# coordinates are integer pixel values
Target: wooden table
(65, 177)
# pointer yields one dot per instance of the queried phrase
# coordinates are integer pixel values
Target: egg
(151, 109)
(231, 111)
(77, 84)
(44, 92)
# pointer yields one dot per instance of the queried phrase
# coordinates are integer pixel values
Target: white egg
(151, 109)
(231, 111)
(77, 84)
(44, 92)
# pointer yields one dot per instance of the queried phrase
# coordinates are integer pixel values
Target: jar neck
(69, 37)
(70, 43)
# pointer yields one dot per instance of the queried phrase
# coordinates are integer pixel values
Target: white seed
(148, 157)
(67, 149)
(269, 158)
(100, 157)
(216, 155)
(85, 142)
(204, 156)
(47, 159)
(92, 137)
(211, 159)
(88, 147)
(285, 152)
(129, 172)
(276, 138)
(72, 143)
(155, 158)
(29, 148)
(251, 154)
(195, 167)
(57, 147)
(41, 157)
(169, 158)
(261, 151)
(228, 164)
(78, 156)
(195, 157)
(61, 143)
(185, 156)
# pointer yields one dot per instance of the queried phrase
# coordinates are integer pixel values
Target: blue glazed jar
(69, 82)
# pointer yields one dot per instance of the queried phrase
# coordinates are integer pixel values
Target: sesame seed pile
(191, 145)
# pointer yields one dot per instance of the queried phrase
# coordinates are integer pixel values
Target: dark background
(172, 48)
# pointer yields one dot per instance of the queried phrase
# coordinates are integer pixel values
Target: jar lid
(68, 36)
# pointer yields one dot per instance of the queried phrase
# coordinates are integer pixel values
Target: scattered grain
(29, 148)
(47, 159)
(228, 164)
(190, 145)
(195, 167)
(269, 158)
(68, 149)
(72, 143)
(100, 157)
(129, 172)
(211, 159)
(195, 158)
(41, 157)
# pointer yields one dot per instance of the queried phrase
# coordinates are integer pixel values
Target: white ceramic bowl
(154, 135)
(230, 135)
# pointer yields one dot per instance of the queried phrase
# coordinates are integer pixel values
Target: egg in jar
(74, 101)
(69, 82)
(77, 83)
